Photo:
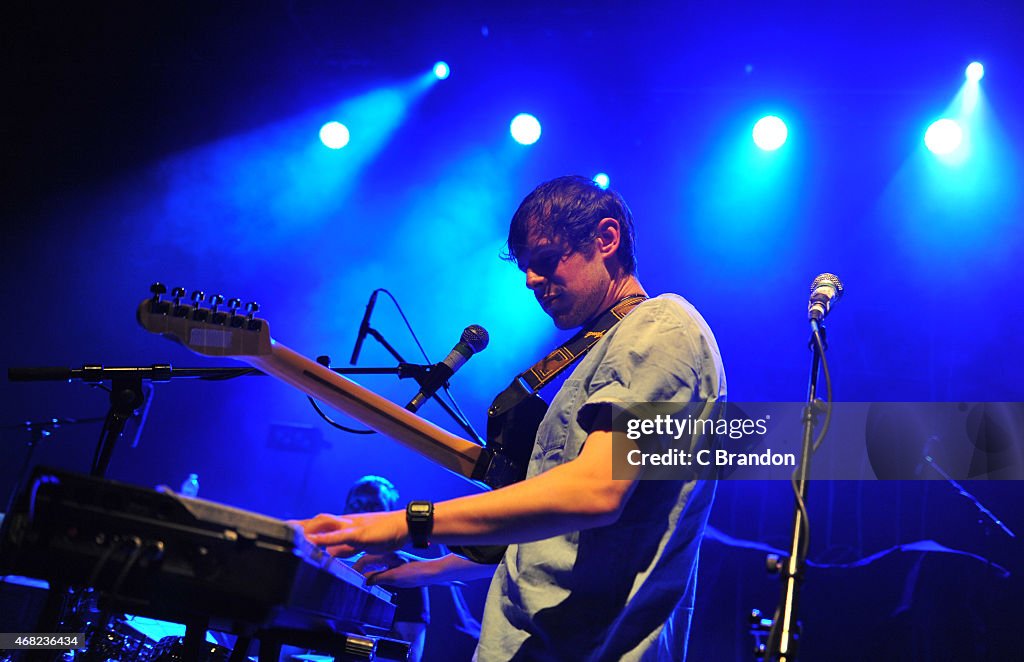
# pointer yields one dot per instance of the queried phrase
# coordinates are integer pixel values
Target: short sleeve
(654, 355)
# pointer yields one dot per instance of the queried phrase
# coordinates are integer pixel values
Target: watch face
(420, 508)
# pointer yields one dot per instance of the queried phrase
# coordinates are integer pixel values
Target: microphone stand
(128, 398)
(38, 430)
(784, 635)
(420, 374)
(959, 489)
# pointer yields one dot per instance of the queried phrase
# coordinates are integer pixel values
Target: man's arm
(579, 494)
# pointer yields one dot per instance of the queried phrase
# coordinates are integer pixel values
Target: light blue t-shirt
(623, 591)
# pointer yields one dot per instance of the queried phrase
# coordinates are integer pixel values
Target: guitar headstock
(203, 329)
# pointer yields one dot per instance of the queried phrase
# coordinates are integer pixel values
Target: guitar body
(510, 436)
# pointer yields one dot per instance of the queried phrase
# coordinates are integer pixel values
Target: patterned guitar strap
(541, 373)
(514, 414)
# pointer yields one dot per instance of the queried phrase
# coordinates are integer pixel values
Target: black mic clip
(418, 371)
(820, 328)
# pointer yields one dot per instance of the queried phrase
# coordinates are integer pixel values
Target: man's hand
(347, 535)
(407, 575)
(372, 564)
(404, 570)
(395, 569)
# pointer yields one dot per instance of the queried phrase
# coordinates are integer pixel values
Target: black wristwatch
(419, 516)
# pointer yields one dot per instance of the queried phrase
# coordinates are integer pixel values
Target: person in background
(372, 494)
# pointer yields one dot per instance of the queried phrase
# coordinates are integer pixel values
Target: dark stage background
(178, 142)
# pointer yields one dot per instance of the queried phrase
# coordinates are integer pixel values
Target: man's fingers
(372, 563)
(334, 537)
(361, 563)
(342, 550)
(386, 577)
(322, 523)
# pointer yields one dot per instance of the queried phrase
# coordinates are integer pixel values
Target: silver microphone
(825, 291)
(474, 339)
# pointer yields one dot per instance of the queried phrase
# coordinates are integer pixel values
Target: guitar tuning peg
(155, 305)
(215, 301)
(235, 320)
(198, 312)
(178, 293)
(253, 324)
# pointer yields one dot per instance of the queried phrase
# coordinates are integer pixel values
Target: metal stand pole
(784, 637)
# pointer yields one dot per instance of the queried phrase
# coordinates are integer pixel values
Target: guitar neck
(213, 332)
(454, 453)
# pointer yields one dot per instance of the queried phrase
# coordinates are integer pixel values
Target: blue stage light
(602, 180)
(943, 136)
(334, 135)
(975, 71)
(525, 129)
(442, 70)
(770, 133)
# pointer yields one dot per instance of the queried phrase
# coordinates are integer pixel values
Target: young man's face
(568, 285)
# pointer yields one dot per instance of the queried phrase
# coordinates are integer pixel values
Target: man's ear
(608, 237)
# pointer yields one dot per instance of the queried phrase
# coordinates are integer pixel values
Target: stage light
(943, 136)
(525, 129)
(770, 133)
(442, 70)
(602, 180)
(334, 135)
(975, 71)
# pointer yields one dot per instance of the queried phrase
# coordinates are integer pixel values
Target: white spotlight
(525, 129)
(770, 133)
(334, 135)
(975, 71)
(943, 136)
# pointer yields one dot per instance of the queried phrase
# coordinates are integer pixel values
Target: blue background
(179, 143)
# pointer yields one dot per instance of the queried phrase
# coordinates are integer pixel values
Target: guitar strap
(541, 373)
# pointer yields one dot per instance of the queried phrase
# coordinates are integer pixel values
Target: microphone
(474, 339)
(364, 327)
(825, 291)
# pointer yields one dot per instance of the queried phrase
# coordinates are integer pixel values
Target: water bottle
(190, 487)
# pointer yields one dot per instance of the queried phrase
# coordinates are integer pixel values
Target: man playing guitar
(596, 568)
